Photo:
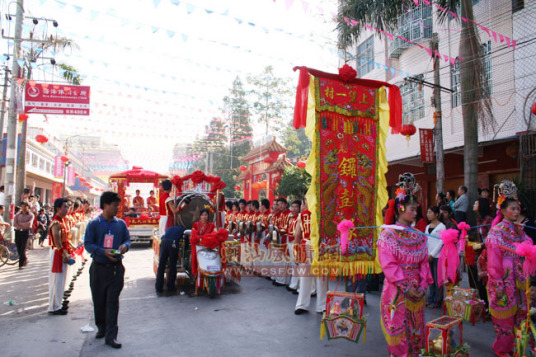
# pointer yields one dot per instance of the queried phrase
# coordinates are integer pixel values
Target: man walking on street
(22, 224)
(106, 239)
(60, 253)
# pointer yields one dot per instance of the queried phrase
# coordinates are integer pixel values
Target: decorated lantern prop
(344, 316)
(463, 303)
(444, 337)
(523, 334)
(408, 130)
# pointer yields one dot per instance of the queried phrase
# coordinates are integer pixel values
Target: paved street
(252, 318)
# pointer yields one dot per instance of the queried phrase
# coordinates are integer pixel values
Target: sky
(159, 69)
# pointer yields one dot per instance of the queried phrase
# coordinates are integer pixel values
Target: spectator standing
(482, 207)
(23, 223)
(43, 223)
(450, 198)
(435, 244)
(446, 218)
(107, 239)
(420, 222)
(441, 199)
(528, 224)
(2, 195)
(461, 206)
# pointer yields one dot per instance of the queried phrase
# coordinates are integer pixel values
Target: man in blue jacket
(107, 239)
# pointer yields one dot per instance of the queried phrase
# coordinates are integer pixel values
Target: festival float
(143, 227)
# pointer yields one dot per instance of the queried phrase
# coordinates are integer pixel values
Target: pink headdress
(449, 259)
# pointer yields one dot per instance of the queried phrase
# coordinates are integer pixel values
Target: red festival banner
(43, 98)
(347, 120)
(427, 145)
(57, 190)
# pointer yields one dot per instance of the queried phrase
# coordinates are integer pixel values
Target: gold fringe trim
(414, 306)
(503, 314)
(392, 340)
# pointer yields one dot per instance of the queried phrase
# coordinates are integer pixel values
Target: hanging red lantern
(64, 159)
(255, 186)
(76, 174)
(301, 164)
(81, 179)
(242, 168)
(408, 130)
(41, 139)
(269, 160)
(23, 117)
(237, 187)
(533, 109)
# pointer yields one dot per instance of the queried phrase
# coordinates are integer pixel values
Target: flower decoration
(347, 73)
(400, 194)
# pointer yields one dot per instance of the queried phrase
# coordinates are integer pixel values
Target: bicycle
(9, 250)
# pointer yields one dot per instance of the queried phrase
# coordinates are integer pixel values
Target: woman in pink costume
(506, 285)
(403, 255)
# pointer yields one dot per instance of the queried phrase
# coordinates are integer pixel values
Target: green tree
(272, 98)
(297, 143)
(384, 14)
(294, 183)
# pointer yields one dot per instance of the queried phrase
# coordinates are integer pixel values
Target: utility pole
(11, 152)
(2, 114)
(438, 127)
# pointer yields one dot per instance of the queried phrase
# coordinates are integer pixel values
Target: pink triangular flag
(354, 22)
(347, 20)
(416, 2)
(446, 58)
(494, 35)
(453, 61)
(514, 44)
(305, 5)
(485, 29)
(507, 41)
(289, 4)
(463, 18)
(429, 51)
(501, 37)
(427, 2)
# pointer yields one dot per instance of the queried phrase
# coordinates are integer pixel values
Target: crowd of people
(409, 260)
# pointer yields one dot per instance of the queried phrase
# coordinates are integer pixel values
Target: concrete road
(253, 318)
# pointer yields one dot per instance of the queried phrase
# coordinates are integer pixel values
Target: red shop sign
(43, 98)
(427, 145)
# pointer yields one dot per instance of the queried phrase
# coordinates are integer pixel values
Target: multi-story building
(511, 80)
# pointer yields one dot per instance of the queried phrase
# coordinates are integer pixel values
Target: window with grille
(365, 57)
(486, 47)
(456, 96)
(412, 101)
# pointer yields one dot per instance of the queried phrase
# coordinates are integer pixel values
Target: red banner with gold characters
(347, 120)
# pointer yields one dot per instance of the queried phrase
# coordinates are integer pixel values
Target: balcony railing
(415, 25)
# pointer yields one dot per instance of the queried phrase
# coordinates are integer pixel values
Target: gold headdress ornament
(506, 189)
(406, 186)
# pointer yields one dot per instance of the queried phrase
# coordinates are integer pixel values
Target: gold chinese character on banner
(348, 167)
(346, 199)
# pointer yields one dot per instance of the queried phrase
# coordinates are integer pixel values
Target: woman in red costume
(203, 226)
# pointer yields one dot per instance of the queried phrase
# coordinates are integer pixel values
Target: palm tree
(384, 14)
